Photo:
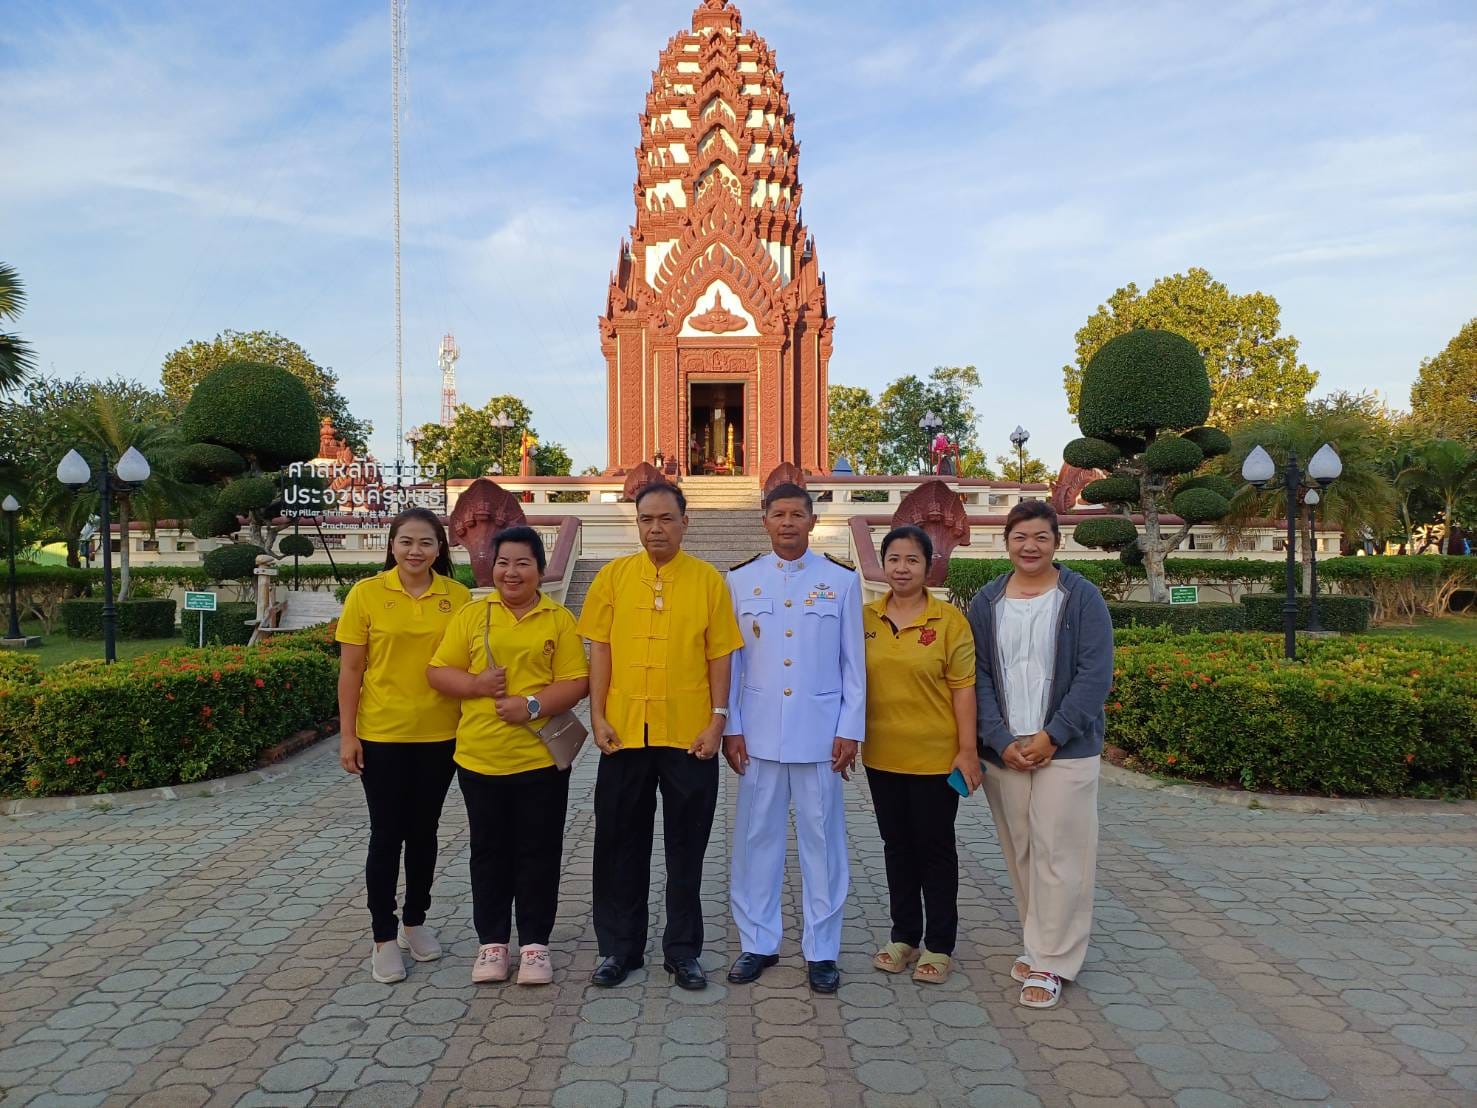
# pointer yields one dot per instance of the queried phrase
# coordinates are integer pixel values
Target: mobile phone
(958, 784)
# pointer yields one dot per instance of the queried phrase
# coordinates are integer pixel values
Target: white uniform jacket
(800, 680)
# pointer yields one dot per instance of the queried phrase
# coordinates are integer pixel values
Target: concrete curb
(1280, 802)
(104, 802)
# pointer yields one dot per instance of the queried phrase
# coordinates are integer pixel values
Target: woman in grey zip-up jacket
(1043, 670)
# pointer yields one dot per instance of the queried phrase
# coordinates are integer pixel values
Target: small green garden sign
(1184, 594)
(199, 601)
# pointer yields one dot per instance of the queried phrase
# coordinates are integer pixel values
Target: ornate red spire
(718, 255)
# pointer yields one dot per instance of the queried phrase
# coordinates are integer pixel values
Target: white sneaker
(386, 965)
(421, 942)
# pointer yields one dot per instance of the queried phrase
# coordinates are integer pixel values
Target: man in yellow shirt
(661, 630)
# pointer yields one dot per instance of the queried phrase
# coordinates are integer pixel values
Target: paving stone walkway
(213, 951)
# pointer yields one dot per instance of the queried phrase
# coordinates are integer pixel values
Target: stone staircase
(579, 584)
(704, 493)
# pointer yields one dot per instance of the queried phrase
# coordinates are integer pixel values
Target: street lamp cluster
(132, 470)
(1301, 487)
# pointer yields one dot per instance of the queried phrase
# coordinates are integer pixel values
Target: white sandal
(1020, 970)
(1047, 983)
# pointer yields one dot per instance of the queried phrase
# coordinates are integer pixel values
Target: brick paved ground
(214, 951)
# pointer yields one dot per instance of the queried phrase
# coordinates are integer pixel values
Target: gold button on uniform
(788, 662)
(789, 603)
(787, 692)
(789, 634)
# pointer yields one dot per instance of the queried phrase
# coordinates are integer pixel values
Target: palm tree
(1448, 470)
(1363, 498)
(16, 356)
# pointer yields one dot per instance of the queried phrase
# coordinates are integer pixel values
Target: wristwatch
(721, 712)
(534, 707)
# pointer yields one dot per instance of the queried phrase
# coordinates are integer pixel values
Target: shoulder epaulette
(745, 562)
(842, 562)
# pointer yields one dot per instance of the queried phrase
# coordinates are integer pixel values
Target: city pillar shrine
(715, 333)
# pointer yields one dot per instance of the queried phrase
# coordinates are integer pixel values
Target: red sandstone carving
(939, 510)
(1069, 485)
(483, 510)
(786, 473)
(736, 221)
(639, 476)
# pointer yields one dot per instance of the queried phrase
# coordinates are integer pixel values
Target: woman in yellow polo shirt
(920, 729)
(516, 796)
(396, 732)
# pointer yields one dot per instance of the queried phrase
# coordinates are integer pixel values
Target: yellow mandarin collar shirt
(911, 674)
(538, 649)
(663, 626)
(401, 632)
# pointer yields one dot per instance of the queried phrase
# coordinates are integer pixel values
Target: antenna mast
(397, 68)
(447, 361)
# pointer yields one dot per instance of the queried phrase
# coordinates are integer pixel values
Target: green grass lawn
(56, 648)
(1462, 629)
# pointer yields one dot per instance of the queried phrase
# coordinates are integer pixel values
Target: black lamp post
(13, 636)
(1260, 470)
(1018, 438)
(1311, 499)
(502, 422)
(930, 424)
(132, 471)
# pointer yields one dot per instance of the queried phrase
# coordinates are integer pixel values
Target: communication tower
(447, 361)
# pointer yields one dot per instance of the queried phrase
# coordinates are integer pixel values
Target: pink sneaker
(534, 967)
(492, 963)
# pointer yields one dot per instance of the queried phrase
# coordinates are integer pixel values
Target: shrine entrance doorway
(715, 439)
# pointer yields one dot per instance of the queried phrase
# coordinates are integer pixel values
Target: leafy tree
(1443, 399)
(856, 428)
(16, 357)
(1034, 471)
(949, 394)
(1137, 391)
(246, 422)
(473, 447)
(1447, 469)
(1362, 500)
(186, 367)
(1254, 371)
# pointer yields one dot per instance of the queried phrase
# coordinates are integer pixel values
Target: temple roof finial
(718, 15)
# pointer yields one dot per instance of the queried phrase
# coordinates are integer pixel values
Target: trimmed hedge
(253, 409)
(1335, 613)
(1180, 618)
(1172, 454)
(236, 561)
(1357, 716)
(1142, 381)
(226, 626)
(182, 715)
(1108, 532)
(136, 619)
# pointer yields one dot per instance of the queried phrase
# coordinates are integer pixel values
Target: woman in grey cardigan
(1043, 669)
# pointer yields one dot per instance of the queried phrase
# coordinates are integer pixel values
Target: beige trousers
(1047, 824)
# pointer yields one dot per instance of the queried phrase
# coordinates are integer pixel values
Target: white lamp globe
(73, 470)
(1258, 468)
(10, 504)
(133, 467)
(1326, 465)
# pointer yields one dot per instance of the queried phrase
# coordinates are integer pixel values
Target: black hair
(661, 486)
(789, 491)
(917, 534)
(525, 536)
(1027, 510)
(442, 564)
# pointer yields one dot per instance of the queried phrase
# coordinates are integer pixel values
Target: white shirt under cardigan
(1026, 638)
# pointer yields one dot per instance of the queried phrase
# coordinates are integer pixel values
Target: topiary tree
(1145, 397)
(245, 424)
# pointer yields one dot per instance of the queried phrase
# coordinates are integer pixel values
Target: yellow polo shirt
(660, 651)
(537, 650)
(396, 703)
(911, 674)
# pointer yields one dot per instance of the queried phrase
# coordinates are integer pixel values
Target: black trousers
(405, 785)
(625, 815)
(915, 815)
(516, 824)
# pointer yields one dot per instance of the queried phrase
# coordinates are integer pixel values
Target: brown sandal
(895, 957)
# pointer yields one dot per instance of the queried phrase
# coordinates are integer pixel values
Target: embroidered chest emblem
(548, 648)
(389, 603)
(926, 636)
(443, 605)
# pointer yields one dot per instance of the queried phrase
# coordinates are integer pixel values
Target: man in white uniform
(798, 712)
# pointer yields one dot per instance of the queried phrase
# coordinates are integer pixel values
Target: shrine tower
(715, 333)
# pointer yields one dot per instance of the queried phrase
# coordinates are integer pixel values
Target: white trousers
(761, 828)
(1046, 821)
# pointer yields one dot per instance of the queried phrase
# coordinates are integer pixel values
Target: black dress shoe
(748, 967)
(687, 973)
(824, 976)
(613, 971)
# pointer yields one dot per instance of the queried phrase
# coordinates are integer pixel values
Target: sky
(978, 176)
